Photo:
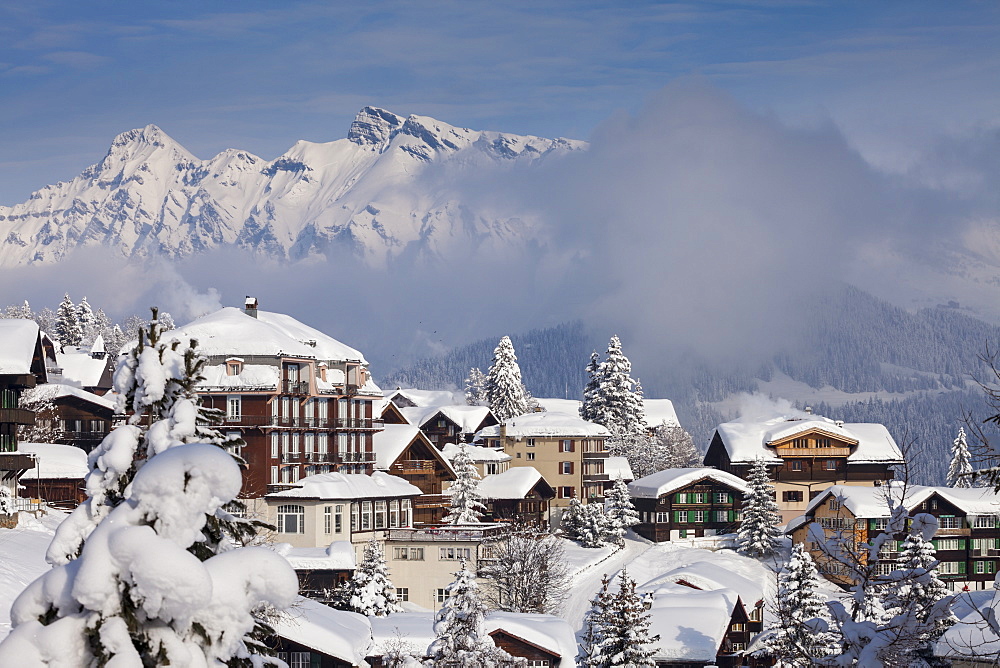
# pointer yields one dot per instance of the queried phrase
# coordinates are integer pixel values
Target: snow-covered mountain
(150, 196)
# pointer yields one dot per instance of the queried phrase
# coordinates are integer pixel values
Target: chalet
(569, 452)
(488, 461)
(22, 366)
(543, 641)
(326, 507)
(805, 455)
(404, 451)
(90, 370)
(300, 399)
(450, 424)
(411, 398)
(687, 503)
(974, 642)
(70, 415)
(320, 569)
(400, 632)
(519, 494)
(967, 540)
(57, 477)
(698, 628)
(312, 635)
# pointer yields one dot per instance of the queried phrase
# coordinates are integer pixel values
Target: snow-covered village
(660, 334)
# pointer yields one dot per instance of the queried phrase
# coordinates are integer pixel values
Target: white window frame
(291, 510)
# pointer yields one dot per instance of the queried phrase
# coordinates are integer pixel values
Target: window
(830, 464)
(338, 519)
(366, 515)
(274, 475)
(662, 517)
(739, 647)
(234, 367)
(822, 443)
(408, 553)
(529, 442)
(699, 516)
(566, 445)
(834, 503)
(985, 567)
(355, 516)
(986, 522)
(440, 595)
(455, 553)
(291, 519)
(948, 544)
(722, 497)
(328, 519)
(405, 513)
(380, 514)
(795, 465)
(800, 443)
(793, 496)
(530, 456)
(721, 515)
(885, 567)
(951, 568)
(299, 660)
(566, 492)
(950, 522)
(566, 468)
(538, 663)
(394, 513)
(492, 468)
(402, 593)
(739, 628)
(233, 408)
(879, 524)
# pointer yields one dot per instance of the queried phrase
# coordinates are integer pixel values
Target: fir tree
(625, 640)
(114, 339)
(371, 591)
(22, 312)
(797, 635)
(84, 317)
(960, 471)
(593, 526)
(475, 388)
(591, 408)
(619, 512)
(594, 621)
(572, 518)
(618, 406)
(758, 534)
(504, 389)
(7, 506)
(67, 324)
(466, 506)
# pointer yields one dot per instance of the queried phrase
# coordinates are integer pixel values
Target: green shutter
(690, 516)
(315, 660)
(732, 515)
(679, 516)
(680, 497)
(934, 542)
(961, 567)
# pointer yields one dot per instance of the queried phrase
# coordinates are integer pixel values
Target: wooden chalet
(687, 503)
(488, 461)
(698, 628)
(312, 635)
(22, 366)
(321, 569)
(519, 495)
(404, 451)
(544, 641)
(805, 455)
(57, 477)
(90, 370)
(450, 424)
(72, 415)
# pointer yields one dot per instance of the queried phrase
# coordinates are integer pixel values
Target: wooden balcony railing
(812, 452)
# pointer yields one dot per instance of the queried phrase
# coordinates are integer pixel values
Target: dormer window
(234, 366)
(322, 371)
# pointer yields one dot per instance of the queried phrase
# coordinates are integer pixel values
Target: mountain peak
(151, 135)
(374, 127)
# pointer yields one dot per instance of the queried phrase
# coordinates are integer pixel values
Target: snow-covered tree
(592, 409)
(758, 535)
(67, 324)
(371, 592)
(677, 447)
(99, 323)
(7, 506)
(618, 406)
(138, 596)
(504, 389)
(528, 572)
(588, 526)
(22, 311)
(960, 470)
(797, 636)
(572, 518)
(475, 388)
(619, 512)
(114, 339)
(466, 504)
(47, 427)
(626, 640)
(460, 635)
(46, 319)
(84, 317)
(594, 621)
(167, 321)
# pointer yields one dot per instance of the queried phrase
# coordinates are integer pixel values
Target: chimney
(250, 306)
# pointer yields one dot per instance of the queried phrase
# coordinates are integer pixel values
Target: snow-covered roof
(53, 391)
(230, 331)
(428, 398)
(338, 555)
(709, 576)
(692, 626)
(567, 406)
(872, 502)
(663, 482)
(659, 411)
(468, 418)
(81, 369)
(18, 338)
(343, 635)
(547, 423)
(413, 630)
(618, 467)
(746, 441)
(478, 453)
(55, 461)
(389, 443)
(514, 483)
(972, 636)
(333, 486)
(551, 633)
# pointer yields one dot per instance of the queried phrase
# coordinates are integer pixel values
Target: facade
(569, 452)
(805, 455)
(517, 495)
(301, 400)
(57, 476)
(22, 366)
(543, 641)
(687, 503)
(718, 616)
(321, 570)
(74, 417)
(449, 424)
(404, 451)
(967, 539)
(488, 461)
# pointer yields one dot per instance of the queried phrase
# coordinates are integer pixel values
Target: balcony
(432, 501)
(357, 457)
(413, 466)
(16, 462)
(953, 531)
(359, 423)
(17, 416)
(295, 387)
(448, 532)
(811, 452)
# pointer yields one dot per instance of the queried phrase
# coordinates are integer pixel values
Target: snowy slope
(22, 558)
(150, 196)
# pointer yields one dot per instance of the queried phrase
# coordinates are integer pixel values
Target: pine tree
(84, 317)
(960, 471)
(371, 591)
(617, 405)
(619, 512)
(593, 526)
(572, 518)
(626, 641)
(7, 506)
(797, 636)
(46, 319)
(504, 389)
(475, 388)
(466, 506)
(21, 312)
(591, 408)
(99, 323)
(594, 621)
(68, 324)
(114, 339)
(758, 534)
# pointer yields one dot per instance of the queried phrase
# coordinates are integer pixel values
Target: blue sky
(895, 77)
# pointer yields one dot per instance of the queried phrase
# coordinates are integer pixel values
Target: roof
(514, 483)
(55, 461)
(618, 467)
(427, 398)
(663, 482)
(709, 576)
(746, 441)
(973, 636)
(79, 368)
(659, 411)
(468, 418)
(550, 633)
(692, 626)
(230, 331)
(389, 443)
(872, 502)
(53, 391)
(547, 423)
(378, 485)
(413, 630)
(343, 635)
(338, 555)
(478, 453)
(18, 340)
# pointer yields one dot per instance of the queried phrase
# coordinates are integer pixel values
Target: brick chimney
(250, 306)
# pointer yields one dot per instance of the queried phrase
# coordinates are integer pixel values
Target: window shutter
(961, 567)
(679, 497)
(690, 516)
(571, 467)
(679, 516)
(731, 515)
(572, 446)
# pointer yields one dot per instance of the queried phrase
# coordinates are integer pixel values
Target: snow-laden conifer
(626, 641)
(799, 634)
(84, 316)
(67, 323)
(475, 388)
(960, 470)
(7, 506)
(370, 591)
(572, 518)
(591, 409)
(466, 504)
(504, 388)
(758, 535)
(620, 407)
(22, 311)
(619, 512)
(593, 528)
(594, 621)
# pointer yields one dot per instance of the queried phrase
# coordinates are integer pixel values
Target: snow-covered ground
(22, 558)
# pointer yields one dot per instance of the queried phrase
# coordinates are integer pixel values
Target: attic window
(322, 371)
(234, 366)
